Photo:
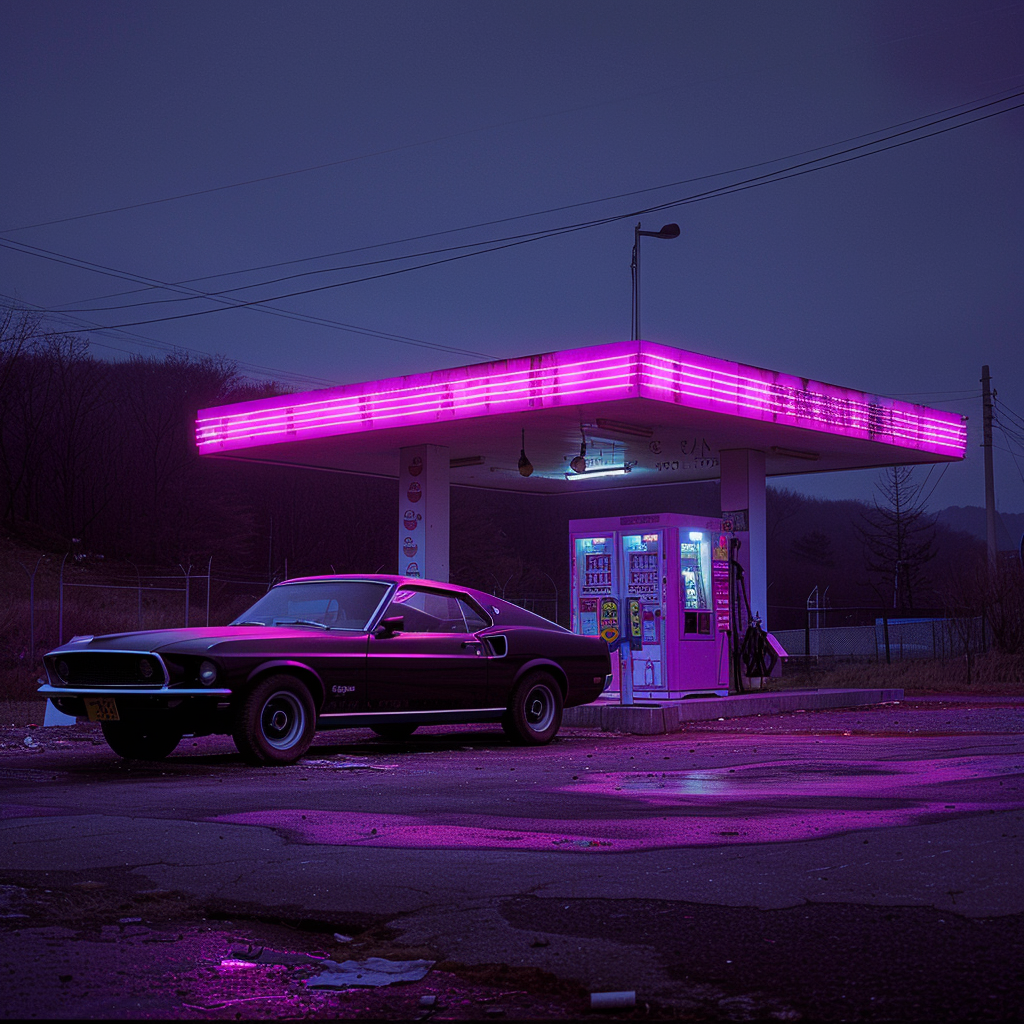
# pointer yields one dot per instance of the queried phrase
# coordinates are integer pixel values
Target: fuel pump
(656, 587)
(753, 656)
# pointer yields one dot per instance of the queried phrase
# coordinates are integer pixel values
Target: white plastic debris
(612, 1000)
(349, 765)
(338, 937)
(373, 972)
(29, 742)
(53, 716)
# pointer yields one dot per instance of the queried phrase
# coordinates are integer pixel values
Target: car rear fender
(548, 666)
(292, 668)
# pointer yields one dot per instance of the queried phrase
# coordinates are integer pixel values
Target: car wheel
(535, 711)
(141, 741)
(397, 731)
(276, 722)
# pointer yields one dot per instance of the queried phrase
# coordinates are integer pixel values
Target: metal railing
(888, 638)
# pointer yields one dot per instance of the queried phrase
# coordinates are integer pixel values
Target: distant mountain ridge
(971, 519)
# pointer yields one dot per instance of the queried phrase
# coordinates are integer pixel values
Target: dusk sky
(383, 131)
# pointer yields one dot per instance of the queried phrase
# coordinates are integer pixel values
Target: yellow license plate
(102, 709)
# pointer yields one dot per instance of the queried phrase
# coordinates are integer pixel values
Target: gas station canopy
(648, 413)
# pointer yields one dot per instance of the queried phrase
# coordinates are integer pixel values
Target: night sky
(375, 123)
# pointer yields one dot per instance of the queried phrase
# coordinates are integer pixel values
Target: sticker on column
(635, 624)
(413, 569)
(411, 519)
(652, 619)
(610, 619)
(409, 547)
(651, 675)
(415, 491)
(416, 466)
(588, 616)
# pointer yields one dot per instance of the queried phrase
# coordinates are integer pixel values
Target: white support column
(423, 516)
(743, 501)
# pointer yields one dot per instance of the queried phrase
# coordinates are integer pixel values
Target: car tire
(534, 714)
(398, 731)
(276, 722)
(141, 741)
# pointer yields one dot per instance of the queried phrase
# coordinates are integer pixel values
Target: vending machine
(656, 587)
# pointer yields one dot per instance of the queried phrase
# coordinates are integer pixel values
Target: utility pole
(990, 487)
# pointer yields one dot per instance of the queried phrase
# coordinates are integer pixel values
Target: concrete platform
(653, 718)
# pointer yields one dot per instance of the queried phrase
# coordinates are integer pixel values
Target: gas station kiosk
(656, 587)
(674, 595)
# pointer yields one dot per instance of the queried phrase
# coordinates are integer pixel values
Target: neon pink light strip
(833, 409)
(616, 371)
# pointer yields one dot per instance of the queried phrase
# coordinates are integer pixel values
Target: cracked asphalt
(852, 864)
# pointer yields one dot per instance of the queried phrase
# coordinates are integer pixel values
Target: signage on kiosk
(656, 588)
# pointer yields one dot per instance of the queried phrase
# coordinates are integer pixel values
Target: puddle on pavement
(647, 810)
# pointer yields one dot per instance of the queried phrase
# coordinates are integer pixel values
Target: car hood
(194, 640)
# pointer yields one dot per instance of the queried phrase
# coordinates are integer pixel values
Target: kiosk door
(595, 610)
(643, 576)
(702, 641)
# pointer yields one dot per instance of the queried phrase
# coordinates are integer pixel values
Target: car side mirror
(391, 625)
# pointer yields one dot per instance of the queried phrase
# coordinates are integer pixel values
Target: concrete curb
(653, 719)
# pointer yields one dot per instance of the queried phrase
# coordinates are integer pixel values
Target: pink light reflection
(611, 372)
(765, 803)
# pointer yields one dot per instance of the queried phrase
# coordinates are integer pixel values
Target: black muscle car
(329, 652)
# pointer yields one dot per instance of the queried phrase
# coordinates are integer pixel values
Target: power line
(925, 501)
(169, 348)
(228, 302)
(324, 166)
(572, 206)
(1004, 408)
(935, 119)
(385, 152)
(493, 245)
(911, 394)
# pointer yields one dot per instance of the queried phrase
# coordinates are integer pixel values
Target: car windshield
(330, 604)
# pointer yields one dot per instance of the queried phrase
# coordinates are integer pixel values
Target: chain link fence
(886, 638)
(74, 601)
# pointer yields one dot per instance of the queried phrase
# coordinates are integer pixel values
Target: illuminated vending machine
(656, 588)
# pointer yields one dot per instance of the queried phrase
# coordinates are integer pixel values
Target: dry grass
(990, 673)
(30, 628)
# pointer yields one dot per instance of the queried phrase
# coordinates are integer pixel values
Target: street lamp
(668, 231)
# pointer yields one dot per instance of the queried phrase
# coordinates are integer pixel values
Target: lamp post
(668, 231)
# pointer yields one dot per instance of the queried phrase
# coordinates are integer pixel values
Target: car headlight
(62, 670)
(207, 673)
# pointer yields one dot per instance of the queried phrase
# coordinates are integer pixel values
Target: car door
(434, 663)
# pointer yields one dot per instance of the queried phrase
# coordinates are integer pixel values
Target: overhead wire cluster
(350, 273)
(1011, 426)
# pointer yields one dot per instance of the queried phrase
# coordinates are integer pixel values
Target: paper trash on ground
(372, 973)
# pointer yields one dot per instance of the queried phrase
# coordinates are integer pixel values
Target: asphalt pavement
(852, 864)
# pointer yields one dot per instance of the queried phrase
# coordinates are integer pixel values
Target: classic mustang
(387, 652)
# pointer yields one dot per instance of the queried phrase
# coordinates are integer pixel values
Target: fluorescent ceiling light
(795, 453)
(469, 460)
(589, 474)
(631, 429)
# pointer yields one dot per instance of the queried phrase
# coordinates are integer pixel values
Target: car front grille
(108, 668)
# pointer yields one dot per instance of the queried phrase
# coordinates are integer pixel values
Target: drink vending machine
(656, 587)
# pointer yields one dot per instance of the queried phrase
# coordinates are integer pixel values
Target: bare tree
(79, 426)
(815, 548)
(898, 537)
(1002, 598)
(24, 407)
(781, 504)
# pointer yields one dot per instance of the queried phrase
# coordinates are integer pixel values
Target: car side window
(474, 620)
(428, 612)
